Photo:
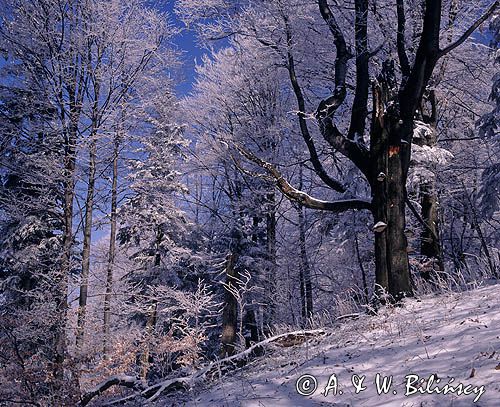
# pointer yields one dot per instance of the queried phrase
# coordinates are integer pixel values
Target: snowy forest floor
(455, 335)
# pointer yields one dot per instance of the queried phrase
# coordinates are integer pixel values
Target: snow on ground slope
(455, 336)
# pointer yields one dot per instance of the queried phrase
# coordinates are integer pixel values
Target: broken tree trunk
(387, 149)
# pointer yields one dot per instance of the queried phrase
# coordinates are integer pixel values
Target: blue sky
(191, 52)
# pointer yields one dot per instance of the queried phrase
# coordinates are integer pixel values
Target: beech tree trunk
(112, 250)
(392, 273)
(87, 239)
(391, 257)
(61, 285)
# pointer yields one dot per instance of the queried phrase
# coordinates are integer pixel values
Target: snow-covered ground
(454, 336)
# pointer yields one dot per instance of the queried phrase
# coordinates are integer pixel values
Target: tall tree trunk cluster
(236, 316)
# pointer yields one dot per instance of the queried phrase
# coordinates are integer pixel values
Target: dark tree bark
(251, 328)
(230, 311)
(388, 191)
(304, 270)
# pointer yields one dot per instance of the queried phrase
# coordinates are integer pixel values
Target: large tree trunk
(379, 193)
(388, 191)
(397, 254)
(87, 240)
(391, 258)
(230, 311)
(61, 284)
(112, 250)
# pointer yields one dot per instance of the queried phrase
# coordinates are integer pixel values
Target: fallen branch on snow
(117, 380)
(218, 367)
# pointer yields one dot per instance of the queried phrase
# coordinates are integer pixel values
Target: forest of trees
(331, 157)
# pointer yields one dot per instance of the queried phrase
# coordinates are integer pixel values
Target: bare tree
(385, 160)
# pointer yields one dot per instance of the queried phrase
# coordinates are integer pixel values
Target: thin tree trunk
(230, 311)
(270, 311)
(112, 250)
(152, 316)
(150, 326)
(61, 284)
(302, 288)
(304, 269)
(87, 240)
(87, 227)
(361, 267)
(430, 244)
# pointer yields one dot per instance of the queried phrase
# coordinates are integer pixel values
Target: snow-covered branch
(299, 196)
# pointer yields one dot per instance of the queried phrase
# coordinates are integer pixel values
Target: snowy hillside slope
(454, 336)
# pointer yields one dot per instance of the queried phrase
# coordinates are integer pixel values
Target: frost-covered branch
(117, 380)
(470, 30)
(301, 197)
(306, 135)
